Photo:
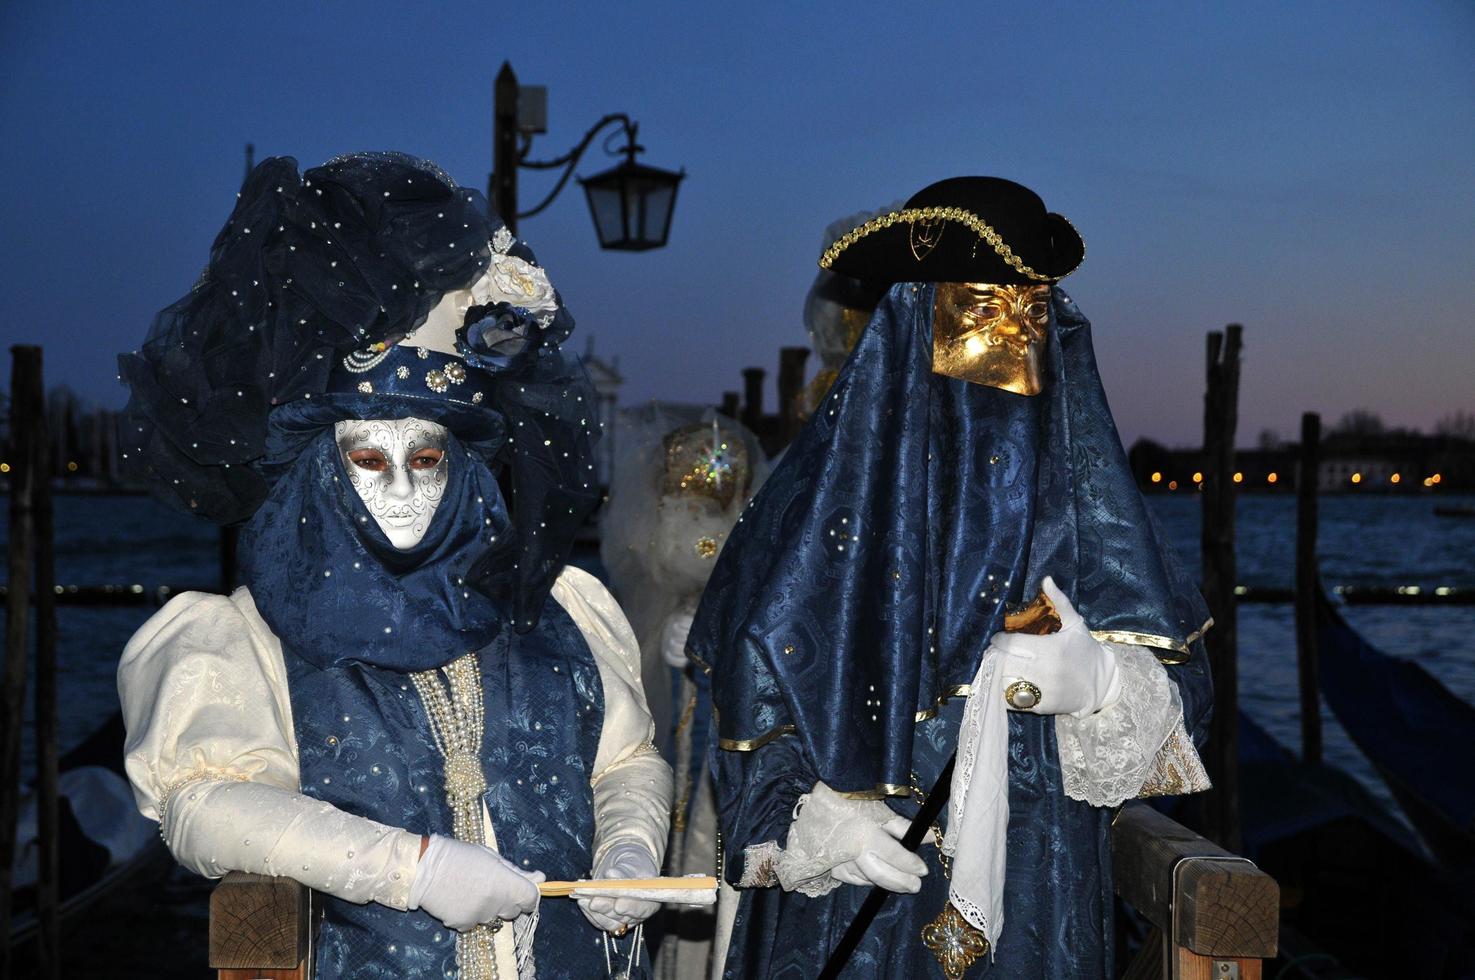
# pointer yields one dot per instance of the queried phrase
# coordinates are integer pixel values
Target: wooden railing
(261, 928)
(1216, 914)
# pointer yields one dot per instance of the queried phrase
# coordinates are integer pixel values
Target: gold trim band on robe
(1168, 652)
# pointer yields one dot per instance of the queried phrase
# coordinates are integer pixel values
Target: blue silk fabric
(862, 584)
(1058, 889)
(365, 746)
(860, 589)
(320, 569)
(355, 616)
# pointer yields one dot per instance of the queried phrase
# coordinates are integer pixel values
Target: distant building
(1396, 462)
(774, 430)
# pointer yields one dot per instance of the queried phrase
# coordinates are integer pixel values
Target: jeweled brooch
(954, 941)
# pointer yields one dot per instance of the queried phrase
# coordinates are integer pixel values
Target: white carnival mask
(398, 467)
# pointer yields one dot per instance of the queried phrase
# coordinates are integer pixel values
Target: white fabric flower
(510, 279)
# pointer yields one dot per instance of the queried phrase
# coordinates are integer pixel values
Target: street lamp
(631, 203)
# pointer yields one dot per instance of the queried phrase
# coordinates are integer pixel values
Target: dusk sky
(1306, 169)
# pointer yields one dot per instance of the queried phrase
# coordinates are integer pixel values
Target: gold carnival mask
(991, 334)
(702, 460)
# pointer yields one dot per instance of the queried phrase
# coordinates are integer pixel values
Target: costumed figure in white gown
(963, 464)
(836, 311)
(680, 482)
(413, 705)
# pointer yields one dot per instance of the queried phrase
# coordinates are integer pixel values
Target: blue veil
(329, 583)
(236, 388)
(859, 589)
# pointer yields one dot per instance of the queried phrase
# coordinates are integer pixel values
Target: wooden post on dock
(1221, 416)
(27, 480)
(1308, 585)
(48, 817)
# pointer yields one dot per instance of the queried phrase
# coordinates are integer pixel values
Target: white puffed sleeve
(212, 756)
(631, 782)
(1139, 746)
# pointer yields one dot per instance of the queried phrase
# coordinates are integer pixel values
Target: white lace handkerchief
(979, 804)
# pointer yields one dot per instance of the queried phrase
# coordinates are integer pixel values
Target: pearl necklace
(457, 723)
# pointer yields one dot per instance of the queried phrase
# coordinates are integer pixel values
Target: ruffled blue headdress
(294, 326)
(859, 589)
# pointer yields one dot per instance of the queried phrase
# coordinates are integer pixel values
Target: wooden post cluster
(1221, 416)
(1308, 587)
(31, 572)
(1216, 913)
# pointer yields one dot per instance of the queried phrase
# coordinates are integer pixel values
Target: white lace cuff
(1138, 746)
(758, 865)
(1177, 768)
(828, 830)
(798, 872)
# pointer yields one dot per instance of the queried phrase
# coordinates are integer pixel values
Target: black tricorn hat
(963, 229)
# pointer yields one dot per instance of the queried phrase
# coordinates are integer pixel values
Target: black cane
(869, 909)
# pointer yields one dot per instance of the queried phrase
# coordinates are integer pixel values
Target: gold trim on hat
(927, 216)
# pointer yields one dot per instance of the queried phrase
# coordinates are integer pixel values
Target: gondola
(106, 846)
(1361, 894)
(1412, 729)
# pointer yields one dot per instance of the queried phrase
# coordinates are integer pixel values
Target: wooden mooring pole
(48, 816)
(30, 517)
(1308, 586)
(1221, 416)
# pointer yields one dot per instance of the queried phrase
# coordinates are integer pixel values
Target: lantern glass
(632, 205)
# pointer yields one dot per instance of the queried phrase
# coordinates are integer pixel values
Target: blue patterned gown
(857, 596)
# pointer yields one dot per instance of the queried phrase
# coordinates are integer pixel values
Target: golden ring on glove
(622, 930)
(1022, 695)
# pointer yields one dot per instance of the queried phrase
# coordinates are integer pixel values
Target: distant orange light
(5, 468)
(1356, 477)
(1172, 484)
(1435, 478)
(1272, 478)
(1157, 477)
(1239, 478)
(1395, 478)
(1428, 482)
(71, 467)
(1198, 477)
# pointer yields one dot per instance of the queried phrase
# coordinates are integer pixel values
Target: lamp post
(631, 203)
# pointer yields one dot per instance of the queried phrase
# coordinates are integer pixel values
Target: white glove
(465, 885)
(1075, 673)
(673, 639)
(629, 860)
(854, 841)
